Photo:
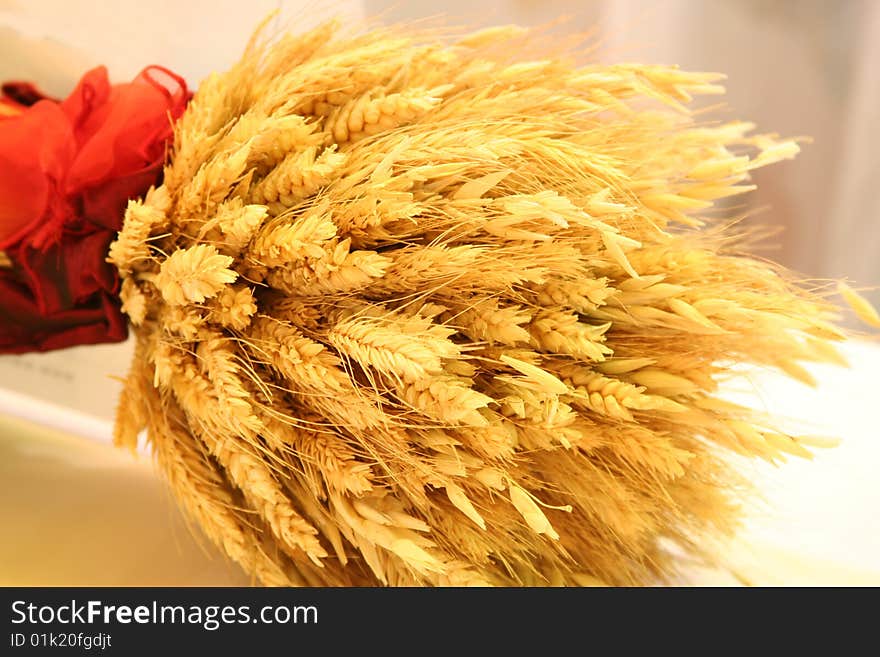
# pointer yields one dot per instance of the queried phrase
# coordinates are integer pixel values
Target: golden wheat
(415, 311)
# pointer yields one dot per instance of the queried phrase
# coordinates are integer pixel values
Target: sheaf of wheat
(420, 309)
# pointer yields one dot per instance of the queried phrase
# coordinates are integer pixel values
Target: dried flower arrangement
(418, 311)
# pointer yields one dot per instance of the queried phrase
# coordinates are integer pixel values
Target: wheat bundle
(430, 311)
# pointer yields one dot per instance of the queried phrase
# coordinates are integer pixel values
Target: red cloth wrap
(67, 170)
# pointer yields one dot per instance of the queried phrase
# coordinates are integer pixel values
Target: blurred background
(83, 513)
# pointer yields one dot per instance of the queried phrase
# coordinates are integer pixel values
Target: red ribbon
(67, 170)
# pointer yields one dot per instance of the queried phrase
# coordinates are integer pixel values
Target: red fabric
(67, 170)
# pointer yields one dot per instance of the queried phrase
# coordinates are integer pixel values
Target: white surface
(73, 390)
(55, 416)
(826, 508)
